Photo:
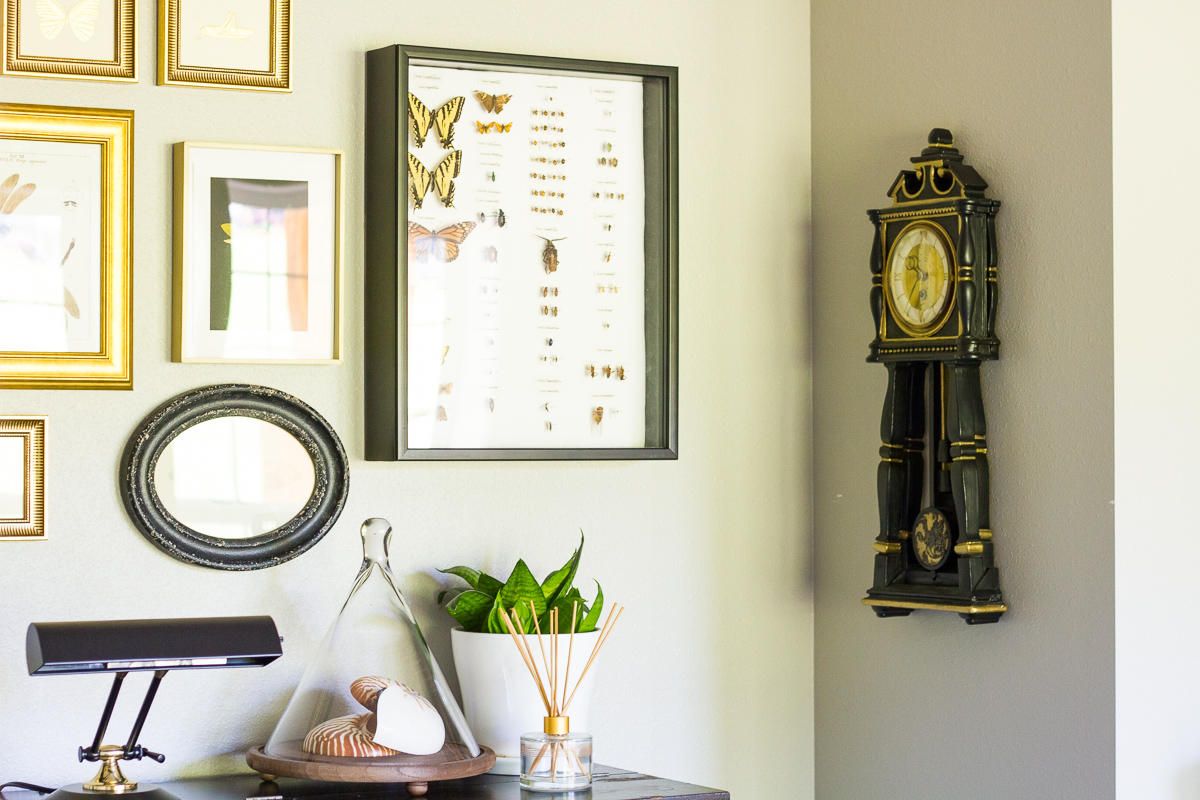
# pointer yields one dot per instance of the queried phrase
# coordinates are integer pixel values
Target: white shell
(407, 722)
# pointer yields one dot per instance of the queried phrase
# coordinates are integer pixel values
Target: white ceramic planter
(500, 699)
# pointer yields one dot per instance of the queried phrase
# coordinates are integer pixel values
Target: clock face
(920, 278)
(931, 538)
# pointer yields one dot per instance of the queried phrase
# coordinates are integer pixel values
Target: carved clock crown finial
(942, 137)
(941, 145)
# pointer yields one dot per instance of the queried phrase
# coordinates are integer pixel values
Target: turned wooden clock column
(933, 298)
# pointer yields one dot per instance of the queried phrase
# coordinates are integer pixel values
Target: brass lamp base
(145, 791)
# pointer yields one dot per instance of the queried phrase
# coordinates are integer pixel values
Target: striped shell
(366, 690)
(345, 737)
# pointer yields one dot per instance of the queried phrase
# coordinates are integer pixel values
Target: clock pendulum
(933, 299)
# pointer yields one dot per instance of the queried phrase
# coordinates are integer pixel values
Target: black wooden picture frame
(386, 221)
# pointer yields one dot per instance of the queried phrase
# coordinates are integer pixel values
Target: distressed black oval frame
(160, 427)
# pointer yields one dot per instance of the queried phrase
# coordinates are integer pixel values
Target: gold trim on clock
(990, 608)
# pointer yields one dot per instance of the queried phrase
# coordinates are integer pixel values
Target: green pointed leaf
(470, 609)
(475, 579)
(572, 600)
(495, 621)
(593, 616)
(520, 590)
(559, 582)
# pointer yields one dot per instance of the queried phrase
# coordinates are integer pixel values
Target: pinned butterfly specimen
(443, 120)
(441, 413)
(441, 179)
(598, 414)
(444, 245)
(446, 388)
(501, 127)
(484, 127)
(81, 19)
(493, 103)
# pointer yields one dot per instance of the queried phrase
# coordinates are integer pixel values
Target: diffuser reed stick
(552, 693)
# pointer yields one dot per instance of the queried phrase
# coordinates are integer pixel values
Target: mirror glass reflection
(12, 477)
(234, 477)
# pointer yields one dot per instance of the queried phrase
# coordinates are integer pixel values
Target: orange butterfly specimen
(443, 245)
(501, 127)
(493, 102)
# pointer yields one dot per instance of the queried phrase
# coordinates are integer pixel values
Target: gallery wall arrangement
(533, 315)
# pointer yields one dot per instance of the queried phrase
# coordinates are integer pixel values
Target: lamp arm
(93, 753)
(132, 749)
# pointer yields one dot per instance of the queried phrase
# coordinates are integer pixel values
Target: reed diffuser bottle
(555, 759)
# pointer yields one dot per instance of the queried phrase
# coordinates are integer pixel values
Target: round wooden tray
(450, 763)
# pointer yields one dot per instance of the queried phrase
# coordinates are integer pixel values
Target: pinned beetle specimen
(550, 254)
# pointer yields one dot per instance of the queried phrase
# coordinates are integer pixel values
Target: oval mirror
(234, 477)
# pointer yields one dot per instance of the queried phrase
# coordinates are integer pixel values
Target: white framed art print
(258, 249)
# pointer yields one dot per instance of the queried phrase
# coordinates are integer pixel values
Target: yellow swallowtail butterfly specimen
(420, 179)
(493, 103)
(443, 120)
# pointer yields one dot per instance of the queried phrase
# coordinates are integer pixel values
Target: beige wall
(709, 678)
(925, 706)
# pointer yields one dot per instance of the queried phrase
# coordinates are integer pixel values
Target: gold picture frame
(73, 167)
(214, 319)
(228, 52)
(71, 39)
(23, 468)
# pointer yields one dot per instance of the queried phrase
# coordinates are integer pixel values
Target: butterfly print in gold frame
(82, 39)
(441, 179)
(442, 120)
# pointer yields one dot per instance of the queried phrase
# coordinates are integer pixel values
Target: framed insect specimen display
(89, 39)
(232, 44)
(258, 252)
(22, 477)
(65, 248)
(521, 257)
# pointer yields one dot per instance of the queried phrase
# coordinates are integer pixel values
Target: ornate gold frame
(276, 79)
(122, 68)
(32, 524)
(181, 246)
(112, 366)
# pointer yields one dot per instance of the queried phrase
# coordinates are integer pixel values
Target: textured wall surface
(1155, 61)
(925, 706)
(709, 677)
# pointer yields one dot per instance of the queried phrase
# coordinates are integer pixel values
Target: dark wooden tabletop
(608, 783)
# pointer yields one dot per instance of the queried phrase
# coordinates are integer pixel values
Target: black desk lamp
(121, 647)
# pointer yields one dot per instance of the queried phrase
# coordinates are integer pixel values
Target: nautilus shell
(366, 690)
(402, 718)
(346, 737)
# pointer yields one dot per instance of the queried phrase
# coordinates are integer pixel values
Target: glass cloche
(373, 705)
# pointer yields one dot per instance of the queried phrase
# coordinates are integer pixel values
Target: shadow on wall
(1187, 787)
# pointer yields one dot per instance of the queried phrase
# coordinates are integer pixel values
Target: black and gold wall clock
(933, 297)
